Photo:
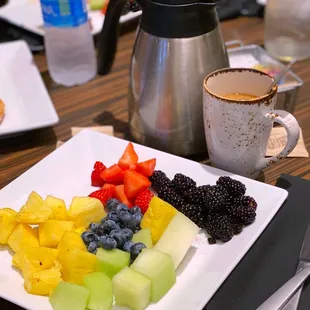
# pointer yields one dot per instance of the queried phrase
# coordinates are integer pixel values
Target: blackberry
(170, 196)
(215, 199)
(212, 240)
(126, 8)
(234, 187)
(246, 201)
(243, 214)
(219, 226)
(194, 213)
(181, 182)
(159, 180)
(196, 195)
(205, 188)
(135, 7)
(237, 226)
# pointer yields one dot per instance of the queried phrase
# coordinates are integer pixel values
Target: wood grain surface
(103, 101)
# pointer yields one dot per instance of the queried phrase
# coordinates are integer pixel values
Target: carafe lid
(178, 18)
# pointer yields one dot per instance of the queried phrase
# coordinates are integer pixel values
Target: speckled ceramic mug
(237, 131)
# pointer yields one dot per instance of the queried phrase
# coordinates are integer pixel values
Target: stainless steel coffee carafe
(178, 43)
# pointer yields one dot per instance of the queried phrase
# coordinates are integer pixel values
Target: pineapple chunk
(35, 211)
(80, 230)
(30, 259)
(17, 260)
(84, 210)
(51, 232)
(69, 241)
(7, 224)
(157, 217)
(42, 282)
(23, 235)
(76, 264)
(58, 206)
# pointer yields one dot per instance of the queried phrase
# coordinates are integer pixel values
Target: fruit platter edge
(65, 173)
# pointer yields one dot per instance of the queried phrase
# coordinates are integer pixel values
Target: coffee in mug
(238, 118)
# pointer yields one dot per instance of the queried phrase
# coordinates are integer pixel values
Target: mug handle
(289, 122)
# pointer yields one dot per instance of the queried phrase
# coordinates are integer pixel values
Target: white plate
(27, 14)
(66, 172)
(27, 102)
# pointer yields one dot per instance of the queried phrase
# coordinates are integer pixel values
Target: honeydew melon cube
(144, 236)
(112, 261)
(177, 238)
(131, 289)
(67, 296)
(159, 268)
(101, 294)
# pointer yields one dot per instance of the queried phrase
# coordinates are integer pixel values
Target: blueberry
(109, 243)
(92, 247)
(111, 203)
(126, 220)
(135, 210)
(136, 250)
(119, 207)
(100, 230)
(102, 239)
(113, 216)
(127, 233)
(88, 236)
(137, 217)
(110, 225)
(93, 227)
(127, 246)
(104, 220)
(119, 237)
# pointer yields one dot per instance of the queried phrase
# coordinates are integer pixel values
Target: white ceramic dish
(27, 102)
(66, 172)
(27, 14)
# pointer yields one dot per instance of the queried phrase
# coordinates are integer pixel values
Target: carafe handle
(109, 35)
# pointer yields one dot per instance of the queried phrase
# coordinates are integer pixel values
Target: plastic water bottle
(69, 44)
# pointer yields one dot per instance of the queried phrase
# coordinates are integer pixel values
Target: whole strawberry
(143, 200)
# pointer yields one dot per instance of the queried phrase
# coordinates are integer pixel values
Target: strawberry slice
(99, 166)
(102, 194)
(119, 194)
(132, 167)
(108, 186)
(143, 200)
(113, 175)
(96, 179)
(146, 167)
(135, 183)
(129, 157)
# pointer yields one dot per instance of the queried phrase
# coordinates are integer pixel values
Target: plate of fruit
(102, 223)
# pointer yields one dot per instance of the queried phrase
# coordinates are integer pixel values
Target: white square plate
(27, 14)
(66, 173)
(27, 102)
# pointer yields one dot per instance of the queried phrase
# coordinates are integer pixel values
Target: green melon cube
(159, 268)
(144, 236)
(67, 296)
(101, 294)
(177, 238)
(131, 289)
(112, 261)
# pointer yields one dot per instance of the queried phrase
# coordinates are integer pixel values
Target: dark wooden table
(103, 101)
